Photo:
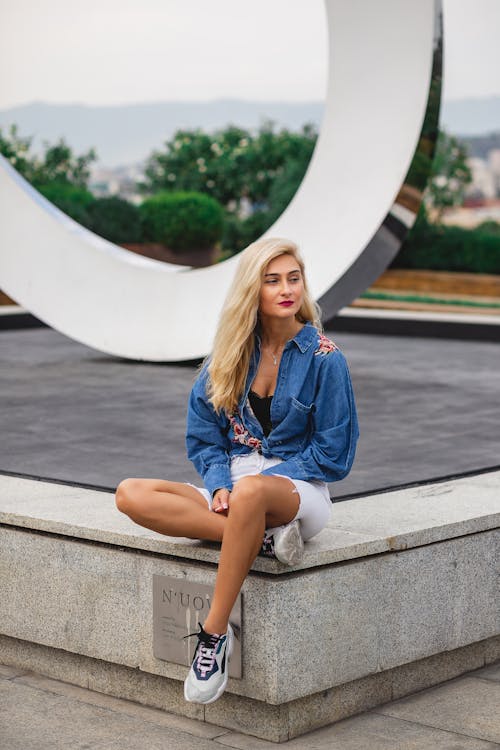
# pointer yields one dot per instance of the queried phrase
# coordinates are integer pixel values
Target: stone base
(397, 594)
(275, 723)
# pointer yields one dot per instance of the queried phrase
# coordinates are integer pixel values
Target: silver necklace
(274, 356)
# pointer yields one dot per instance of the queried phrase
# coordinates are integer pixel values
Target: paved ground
(427, 408)
(37, 713)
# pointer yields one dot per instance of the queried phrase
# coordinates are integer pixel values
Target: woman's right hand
(220, 503)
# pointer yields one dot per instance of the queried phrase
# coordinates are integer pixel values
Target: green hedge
(442, 248)
(74, 201)
(115, 219)
(182, 221)
(239, 233)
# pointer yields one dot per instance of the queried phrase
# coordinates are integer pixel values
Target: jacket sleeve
(330, 452)
(207, 443)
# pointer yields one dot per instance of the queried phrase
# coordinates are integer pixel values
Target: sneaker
(267, 549)
(207, 678)
(286, 544)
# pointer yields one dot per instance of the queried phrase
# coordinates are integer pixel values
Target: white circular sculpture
(380, 72)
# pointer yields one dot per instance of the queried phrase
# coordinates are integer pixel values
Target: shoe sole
(222, 686)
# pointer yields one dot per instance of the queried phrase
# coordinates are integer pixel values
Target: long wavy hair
(234, 338)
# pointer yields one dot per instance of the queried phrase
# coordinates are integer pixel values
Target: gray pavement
(428, 408)
(38, 713)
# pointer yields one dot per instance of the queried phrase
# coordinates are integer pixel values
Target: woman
(271, 419)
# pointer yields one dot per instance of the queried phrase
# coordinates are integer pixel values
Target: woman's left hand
(220, 502)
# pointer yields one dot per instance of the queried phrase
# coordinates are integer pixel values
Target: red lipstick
(286, 303)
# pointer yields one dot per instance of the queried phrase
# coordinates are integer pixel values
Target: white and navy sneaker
(286, 544)
(207, 678)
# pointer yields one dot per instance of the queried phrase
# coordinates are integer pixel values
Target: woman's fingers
(221, 501)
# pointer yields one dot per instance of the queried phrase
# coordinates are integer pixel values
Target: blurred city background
(181, 131)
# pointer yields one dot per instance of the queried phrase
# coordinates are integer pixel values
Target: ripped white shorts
(315, 505)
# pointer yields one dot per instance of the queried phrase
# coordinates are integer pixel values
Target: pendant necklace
(274, 356)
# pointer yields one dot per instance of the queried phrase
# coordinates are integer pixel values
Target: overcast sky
(126, 51)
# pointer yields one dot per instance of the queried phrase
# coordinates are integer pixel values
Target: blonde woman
(271, 419)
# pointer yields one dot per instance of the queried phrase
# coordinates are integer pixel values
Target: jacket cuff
(217, 476)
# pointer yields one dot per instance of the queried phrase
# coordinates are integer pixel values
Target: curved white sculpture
(381, 57)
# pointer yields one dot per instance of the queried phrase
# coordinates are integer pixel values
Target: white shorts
(315, 506)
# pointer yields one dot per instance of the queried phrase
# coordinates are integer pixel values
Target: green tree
(59, 174)
(450, 175)
(57, 163)
(230, 164)
(16, 150)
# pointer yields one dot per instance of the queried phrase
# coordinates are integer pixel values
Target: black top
(261, 407)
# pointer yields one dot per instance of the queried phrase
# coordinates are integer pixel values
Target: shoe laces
(267, 549)
(206, 649)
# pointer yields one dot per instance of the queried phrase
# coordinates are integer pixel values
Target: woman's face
(282, 288)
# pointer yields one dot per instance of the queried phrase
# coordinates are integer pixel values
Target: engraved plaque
(178, 607)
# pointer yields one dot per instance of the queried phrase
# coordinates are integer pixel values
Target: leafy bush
(285, 186)
(232, 235)
(182, 221)
(239, 233)
(115, 219)
(436, 247)
(489, 226)
(74, 201)
(231, 164)
(57, 164)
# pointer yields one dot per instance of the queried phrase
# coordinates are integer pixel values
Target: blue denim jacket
(315, 426)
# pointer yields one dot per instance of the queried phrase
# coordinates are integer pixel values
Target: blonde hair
(234, 338)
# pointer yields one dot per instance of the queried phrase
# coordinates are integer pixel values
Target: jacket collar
(303, 340)
(305, 337)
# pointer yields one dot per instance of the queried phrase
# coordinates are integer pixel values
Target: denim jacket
(313, 415)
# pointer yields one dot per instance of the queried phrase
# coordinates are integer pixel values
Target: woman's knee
(248, 494)
(129, 495)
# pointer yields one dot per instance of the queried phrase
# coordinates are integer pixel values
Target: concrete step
(397, 594)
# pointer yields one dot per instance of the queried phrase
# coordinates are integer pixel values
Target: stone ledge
(396, 580)
(368, 615)
(360, 527)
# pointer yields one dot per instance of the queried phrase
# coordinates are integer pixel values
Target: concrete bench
(397, 594)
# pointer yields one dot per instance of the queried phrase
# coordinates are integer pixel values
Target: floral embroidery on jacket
(325, 346)
(241, 434)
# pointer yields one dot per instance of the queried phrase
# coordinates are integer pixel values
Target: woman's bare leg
(176, 509)
(256, 502)
(170, 508)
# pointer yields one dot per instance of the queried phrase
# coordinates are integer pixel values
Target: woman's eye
(293, 280)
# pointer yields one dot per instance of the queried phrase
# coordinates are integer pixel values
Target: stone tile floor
(38, 713)
(427, 408)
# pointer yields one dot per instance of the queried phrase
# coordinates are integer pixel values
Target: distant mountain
(128, 134)
(481, 145)
(471, 116)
